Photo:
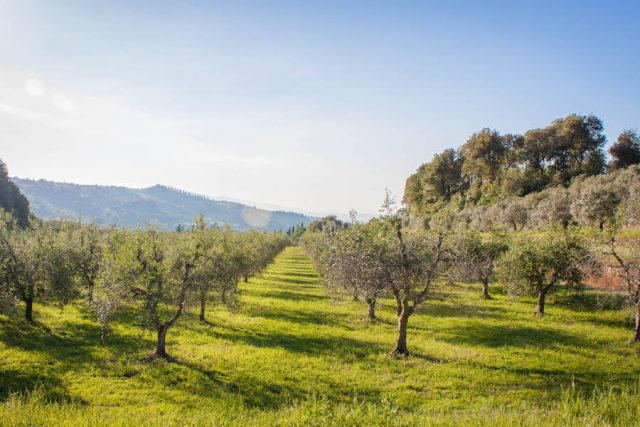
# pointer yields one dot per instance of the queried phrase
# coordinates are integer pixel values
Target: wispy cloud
(27, 114)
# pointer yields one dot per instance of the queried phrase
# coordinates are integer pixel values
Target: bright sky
(316, 106)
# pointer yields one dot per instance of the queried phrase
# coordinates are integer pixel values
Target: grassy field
(291, 355)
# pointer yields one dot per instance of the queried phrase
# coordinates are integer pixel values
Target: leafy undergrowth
(291, 355)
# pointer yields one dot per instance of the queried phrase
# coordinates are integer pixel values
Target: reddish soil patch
(608, 280)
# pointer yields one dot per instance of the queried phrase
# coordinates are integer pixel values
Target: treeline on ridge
(492, 167)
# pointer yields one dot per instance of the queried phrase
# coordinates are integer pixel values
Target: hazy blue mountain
(164, 206)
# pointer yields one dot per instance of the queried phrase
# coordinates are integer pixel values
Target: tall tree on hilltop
(483, 156)
(575, 147)
(626, 151)
(443, 176)
(533, 151)
(436, 181)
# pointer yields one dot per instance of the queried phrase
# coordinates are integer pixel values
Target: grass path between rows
(289, 354)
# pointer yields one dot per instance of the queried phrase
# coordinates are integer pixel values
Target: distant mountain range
(163, 206)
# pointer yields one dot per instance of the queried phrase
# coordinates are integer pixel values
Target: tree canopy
(491, 166)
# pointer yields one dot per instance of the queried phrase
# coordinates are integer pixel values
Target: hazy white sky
(314, 106)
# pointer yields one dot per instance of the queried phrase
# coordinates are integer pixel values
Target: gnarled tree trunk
(485, 289)
(164, 327)
(371, 302)
(162, 338)
(28, 311)
(401, 343)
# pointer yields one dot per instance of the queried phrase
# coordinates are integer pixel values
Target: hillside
(558, 174)
(11, 199)
(491, 166)
(164, 206)
(291, 355)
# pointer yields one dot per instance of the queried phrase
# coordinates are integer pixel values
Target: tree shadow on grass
(252, 387)
(591, 301)
(452, 309)
(303, 317)
(428, 358)
(340, 347)
(295, 296)
(69, 349)
(555, 378)
(48, 386)
(290, 280)
(70, 341)
(509, 336)
(255, 392)
(292, 272)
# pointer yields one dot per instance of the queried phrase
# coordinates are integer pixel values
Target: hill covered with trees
(491, 167)
(11, 199)
(164, 206)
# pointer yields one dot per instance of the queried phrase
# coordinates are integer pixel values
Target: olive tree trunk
(28, 311)
(540, 307)
(636, 337)
(90, 293)
(371, 302)
(401, 343)
(485, 289)
(161, 347)
(203, 303)
(164, 327)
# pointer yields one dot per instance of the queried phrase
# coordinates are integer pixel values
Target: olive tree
(417, 259)
(385, 256)
(626, 265)
(223, 265)
(514, 214)
(538, 265)
(88, 241)
(152, 270)
(596, 203)
(475, 257)
(553, 209)
(230, 256)
(36, 262)
(354, 262)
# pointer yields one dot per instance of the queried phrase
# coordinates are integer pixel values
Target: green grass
(291, 355)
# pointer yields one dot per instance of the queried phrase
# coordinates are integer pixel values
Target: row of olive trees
(153, 272)
(386, 258)
(589, 201)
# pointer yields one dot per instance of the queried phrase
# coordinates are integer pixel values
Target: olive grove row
(588, 201)
(154, 272)
(387, 258)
